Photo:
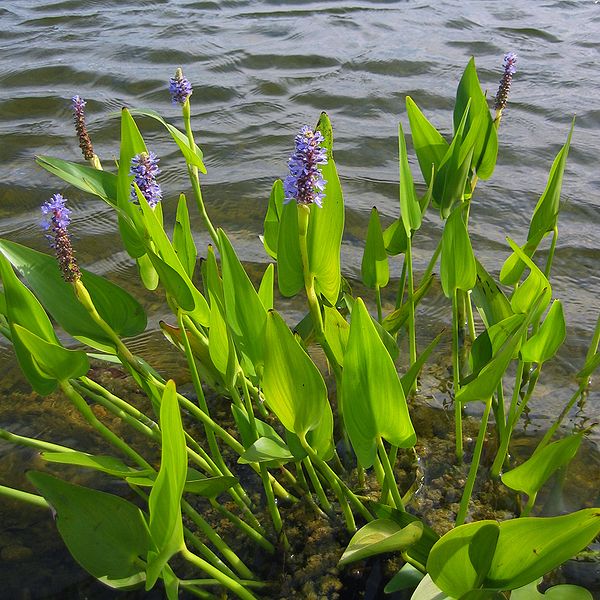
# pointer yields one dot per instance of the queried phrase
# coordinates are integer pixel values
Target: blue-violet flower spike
(144, 167)
(56, 219)
(180, 88)
(510, 68)
(85, 143)
(305, 183)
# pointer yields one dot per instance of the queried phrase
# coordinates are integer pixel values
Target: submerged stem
(464, 502)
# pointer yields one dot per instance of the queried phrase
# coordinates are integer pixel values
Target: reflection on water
(260, 71)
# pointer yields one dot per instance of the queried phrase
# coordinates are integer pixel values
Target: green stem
(21, 496)
(264, 474)
(210, 435)
(337, 484)
(252, 533)
(432, 262)
(469, 313)
(412, 336)
(565, 411)
(456, 378)
(125, 416)
(231, 584)
(28, 442)
(401, 285)
(207, 553)
(550, 258)
(314, 478)
(88, 414)
(215, 539)
(389, 475)
(499, 415)
(466, 497)
(505, 439)
(378, 303)
(194, 178)
(92, 386)
(122, 351)
(530, 502)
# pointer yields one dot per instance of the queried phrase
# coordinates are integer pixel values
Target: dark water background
(261, 70)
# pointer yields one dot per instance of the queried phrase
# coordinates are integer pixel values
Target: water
(260, 71)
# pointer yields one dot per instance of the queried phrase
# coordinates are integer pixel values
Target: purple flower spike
(180, 88)
(144, 167)
(85, 143)
(57, 218)
(510, 68)
(305, 183)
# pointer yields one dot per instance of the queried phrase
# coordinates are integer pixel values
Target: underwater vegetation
(329, 439)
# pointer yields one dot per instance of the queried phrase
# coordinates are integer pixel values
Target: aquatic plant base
(35, 564)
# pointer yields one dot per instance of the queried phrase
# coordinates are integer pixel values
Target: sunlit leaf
(106, 535)
(557, 592)
(408, 577)
(326, 224)
(451, 174)
(552, 333)
(164, 504)
(120, 310)
(52, 359)
(272, 452)
(430, 147)
(244, 311)
(337, 330)
(378, 537)
(290, 275)
(460, 560)
(183, 240)
(492, 304)
(529, 547)
(23, 308)
(193, 155)
(375, 269)
(457, 267)
(503, 344)
(546, 210)
(531, 475)
(265, 290)
(410, 210)
(272, 219)
(479, 121)
(106, 464)
(93, 181)
(373, 401)
(293, 386)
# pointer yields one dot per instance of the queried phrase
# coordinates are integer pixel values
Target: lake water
(263, 69)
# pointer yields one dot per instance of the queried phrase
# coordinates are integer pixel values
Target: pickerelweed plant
(238, 344)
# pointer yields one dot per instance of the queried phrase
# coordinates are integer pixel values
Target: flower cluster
(57, 218)
(144, 167)
(305, 183)
(85, 143)
(510, 68)
(180, 88)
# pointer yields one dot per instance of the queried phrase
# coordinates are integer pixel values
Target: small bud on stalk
(510, 68)
(85, 143)
(56, 219)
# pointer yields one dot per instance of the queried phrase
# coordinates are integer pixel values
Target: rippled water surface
(262, 69)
